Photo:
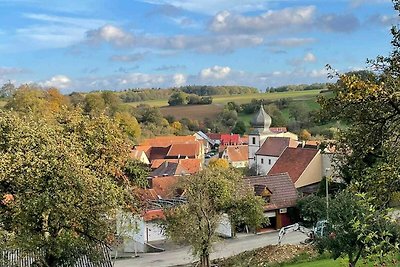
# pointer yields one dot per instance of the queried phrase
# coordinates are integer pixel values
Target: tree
(7, 90)
(312, 209)
(94, 104)
(64, 182)
(210, 194)
(177, 98)
(128, 124)
(240, 128)
(305, 135)
(218, 163)
(369, 104)
(358, 229)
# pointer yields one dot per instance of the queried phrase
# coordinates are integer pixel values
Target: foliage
(42, 102)
(7, 90)
(312, 209)
(359, 229)
(218, 163)
(209, 194)
(304, 135)
(128, 124)
(240, 128)
(369, 103)
(66, 180)
(137, 173)
(178, 98)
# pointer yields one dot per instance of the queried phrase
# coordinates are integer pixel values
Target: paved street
(224, 248)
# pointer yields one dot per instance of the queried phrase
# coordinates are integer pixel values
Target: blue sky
(97, 44)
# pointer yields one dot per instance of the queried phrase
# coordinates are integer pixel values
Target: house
(191, 165)
(261, 130)
(304, 166)
(169, 169)
(236, 155)
(208, 143)
(270, 151)
(139, 155)
(171, 147)
(225, 139)
(279, 194)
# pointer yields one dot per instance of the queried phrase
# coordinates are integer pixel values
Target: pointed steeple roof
(261, 121)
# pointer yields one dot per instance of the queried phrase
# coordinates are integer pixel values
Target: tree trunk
(205, 260)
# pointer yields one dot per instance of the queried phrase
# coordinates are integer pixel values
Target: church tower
(260, 124)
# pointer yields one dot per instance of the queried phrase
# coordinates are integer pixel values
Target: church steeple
(261, 121)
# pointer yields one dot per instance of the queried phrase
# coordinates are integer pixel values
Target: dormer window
(264, 192)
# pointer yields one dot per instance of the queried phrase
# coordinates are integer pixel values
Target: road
(225, 248)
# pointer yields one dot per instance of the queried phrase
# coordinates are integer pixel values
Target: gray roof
(261, 121)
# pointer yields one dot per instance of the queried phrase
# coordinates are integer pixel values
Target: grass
(242, 99)
(193, 112)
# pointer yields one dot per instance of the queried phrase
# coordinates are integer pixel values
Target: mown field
(241, 99)
(200, 112)
(193, 112)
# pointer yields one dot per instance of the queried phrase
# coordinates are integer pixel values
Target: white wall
(224, 227)
(263, 163)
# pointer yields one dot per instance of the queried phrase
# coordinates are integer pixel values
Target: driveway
(224, 248)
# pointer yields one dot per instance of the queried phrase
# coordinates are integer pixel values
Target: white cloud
(179, 79)
(58, 81)
(291, 42)
(128, 58)
(309, 57)
(110, 34)
(50, 31)
(199, 43)
(269, 22)
(7, 71)
(211, 7)
(216, 72)
(321, 73)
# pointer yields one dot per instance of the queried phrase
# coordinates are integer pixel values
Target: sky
(85, 45)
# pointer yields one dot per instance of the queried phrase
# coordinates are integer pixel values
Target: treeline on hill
(136, 95)
(298, 87)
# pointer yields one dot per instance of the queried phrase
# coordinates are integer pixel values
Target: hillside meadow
(200, 112)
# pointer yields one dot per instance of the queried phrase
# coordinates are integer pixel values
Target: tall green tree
(61, 184)
(357, 229)
(210, 194)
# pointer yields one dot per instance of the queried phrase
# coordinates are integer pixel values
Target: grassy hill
(200, 112)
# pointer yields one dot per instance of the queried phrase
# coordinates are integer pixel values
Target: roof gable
(237, 153)
(294, 161)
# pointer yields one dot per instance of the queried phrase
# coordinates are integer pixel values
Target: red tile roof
(163, 141)
(191, 150)
(274, 146)
(284, 194)
(293, 161)
(230, 139)
(165, 187)
(214, 136)
(238, 153)
(191, 165)
(158, 152)
(150, 215)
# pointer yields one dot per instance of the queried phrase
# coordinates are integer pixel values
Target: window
(262, 161)
(267, 199)
(269, 161)
(254, 140)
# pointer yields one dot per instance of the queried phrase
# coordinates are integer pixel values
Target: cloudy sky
(83, 45)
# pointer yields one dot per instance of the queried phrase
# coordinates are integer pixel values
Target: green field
(242, 99)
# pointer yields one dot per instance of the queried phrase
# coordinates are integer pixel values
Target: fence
(16, 258)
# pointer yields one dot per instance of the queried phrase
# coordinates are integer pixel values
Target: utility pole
(327, 193)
